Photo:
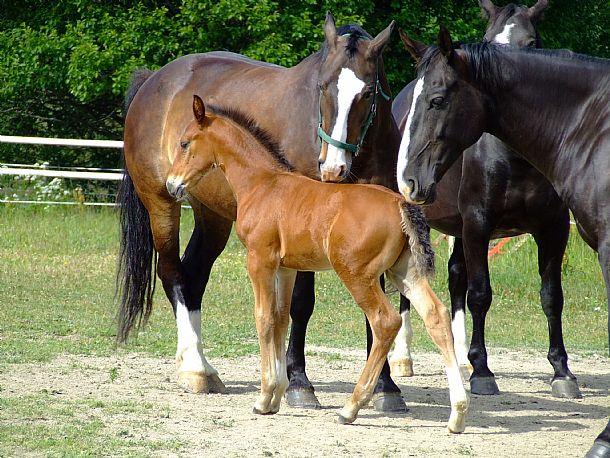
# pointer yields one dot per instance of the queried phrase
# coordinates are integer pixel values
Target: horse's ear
(380, 41)
(415, 48)
(488, 8)
(445, 44)
(330, 30)
(535, 13)
(198, 109)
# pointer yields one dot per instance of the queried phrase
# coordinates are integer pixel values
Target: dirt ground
(523, 421)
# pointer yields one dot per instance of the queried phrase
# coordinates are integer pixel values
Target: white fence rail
(72, 173)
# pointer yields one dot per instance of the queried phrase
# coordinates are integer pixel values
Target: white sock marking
(503, 38)
(406, 138)
(458, 328)
(457, 392)
(402, 343)
(189, 350)
(348, 86)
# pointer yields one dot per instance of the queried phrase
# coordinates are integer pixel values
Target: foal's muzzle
(176, 188)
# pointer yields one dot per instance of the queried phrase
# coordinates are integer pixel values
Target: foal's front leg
(272, 316)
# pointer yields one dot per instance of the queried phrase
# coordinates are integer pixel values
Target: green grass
(57, 295)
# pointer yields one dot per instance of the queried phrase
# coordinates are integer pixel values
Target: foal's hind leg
(437, 323)
(551, 248)
(385, 322)
(209, 238)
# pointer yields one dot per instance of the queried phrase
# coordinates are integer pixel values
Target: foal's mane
(264, 138)
(354, 34)
(485, 63)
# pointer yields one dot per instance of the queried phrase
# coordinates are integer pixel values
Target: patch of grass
(56, 427)
(57, 271)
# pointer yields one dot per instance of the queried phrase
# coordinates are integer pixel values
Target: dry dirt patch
(523, 421)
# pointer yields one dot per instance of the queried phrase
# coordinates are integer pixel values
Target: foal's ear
(488, 8)
(415, 48)
(445, 44)
(535, 13)
(198, 109)
(380, 41)
(330, 30)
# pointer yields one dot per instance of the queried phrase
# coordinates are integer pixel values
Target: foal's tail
(136, 273)
(415, 227)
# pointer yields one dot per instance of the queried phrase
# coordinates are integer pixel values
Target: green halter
(355, 149)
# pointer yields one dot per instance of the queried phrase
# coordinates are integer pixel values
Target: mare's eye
(437, 102)
(184, 145)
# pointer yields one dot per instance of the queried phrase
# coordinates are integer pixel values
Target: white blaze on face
(458, 328)
(503, 38)
(403, 151)
(348, 86)
(189, 352)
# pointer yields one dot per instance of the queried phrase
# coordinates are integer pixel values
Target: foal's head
(350, 91)
(447, 115)
(194, 155)
(513, 24)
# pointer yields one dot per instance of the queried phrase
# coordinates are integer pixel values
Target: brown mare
(354, 229)
(342, 84)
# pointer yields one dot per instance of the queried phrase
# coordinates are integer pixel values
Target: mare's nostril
(411, 184)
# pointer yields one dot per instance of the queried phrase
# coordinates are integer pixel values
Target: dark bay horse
(361, 231)
(493, 193)
(339, 93)
(551, 107)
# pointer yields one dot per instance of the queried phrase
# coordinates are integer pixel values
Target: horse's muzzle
(176, 188)
(418, 195)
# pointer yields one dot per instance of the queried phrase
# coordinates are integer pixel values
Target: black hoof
(599, 450)
(484, 385)
(565, 388)
(389, 402)
(302, 399)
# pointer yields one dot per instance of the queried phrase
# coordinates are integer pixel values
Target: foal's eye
(184, 145)
(437, 102)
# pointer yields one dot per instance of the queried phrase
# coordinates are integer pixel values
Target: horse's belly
(305, 262)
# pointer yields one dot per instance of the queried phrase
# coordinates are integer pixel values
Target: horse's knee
(479, 298)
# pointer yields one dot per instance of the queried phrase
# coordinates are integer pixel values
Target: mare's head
(512, 24)
(350, 91)
(194, 155)
(448, 114)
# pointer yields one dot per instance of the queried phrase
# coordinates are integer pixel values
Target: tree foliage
(65, 65)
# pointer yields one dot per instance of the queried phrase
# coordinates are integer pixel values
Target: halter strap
(354, 148)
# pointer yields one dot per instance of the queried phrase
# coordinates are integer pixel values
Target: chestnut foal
(289, 222)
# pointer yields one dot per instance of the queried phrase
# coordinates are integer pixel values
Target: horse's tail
(415, 227)
(136, 273)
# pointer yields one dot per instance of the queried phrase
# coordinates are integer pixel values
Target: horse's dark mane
(266, 140)
(485, 65)
(355, 34)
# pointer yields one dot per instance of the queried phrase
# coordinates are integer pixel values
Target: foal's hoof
(466, 370)
(401, 367)
(484, 385)
(599, 450)
(565, 388)
(198, 382)
(257, 411)
(389, 403)
(302, 399)
(346, 416)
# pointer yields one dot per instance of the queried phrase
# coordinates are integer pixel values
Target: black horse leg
(401, 362)
(551, 247)
(476, 242)
(386, 395)
(300, 392)
(458, 285)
